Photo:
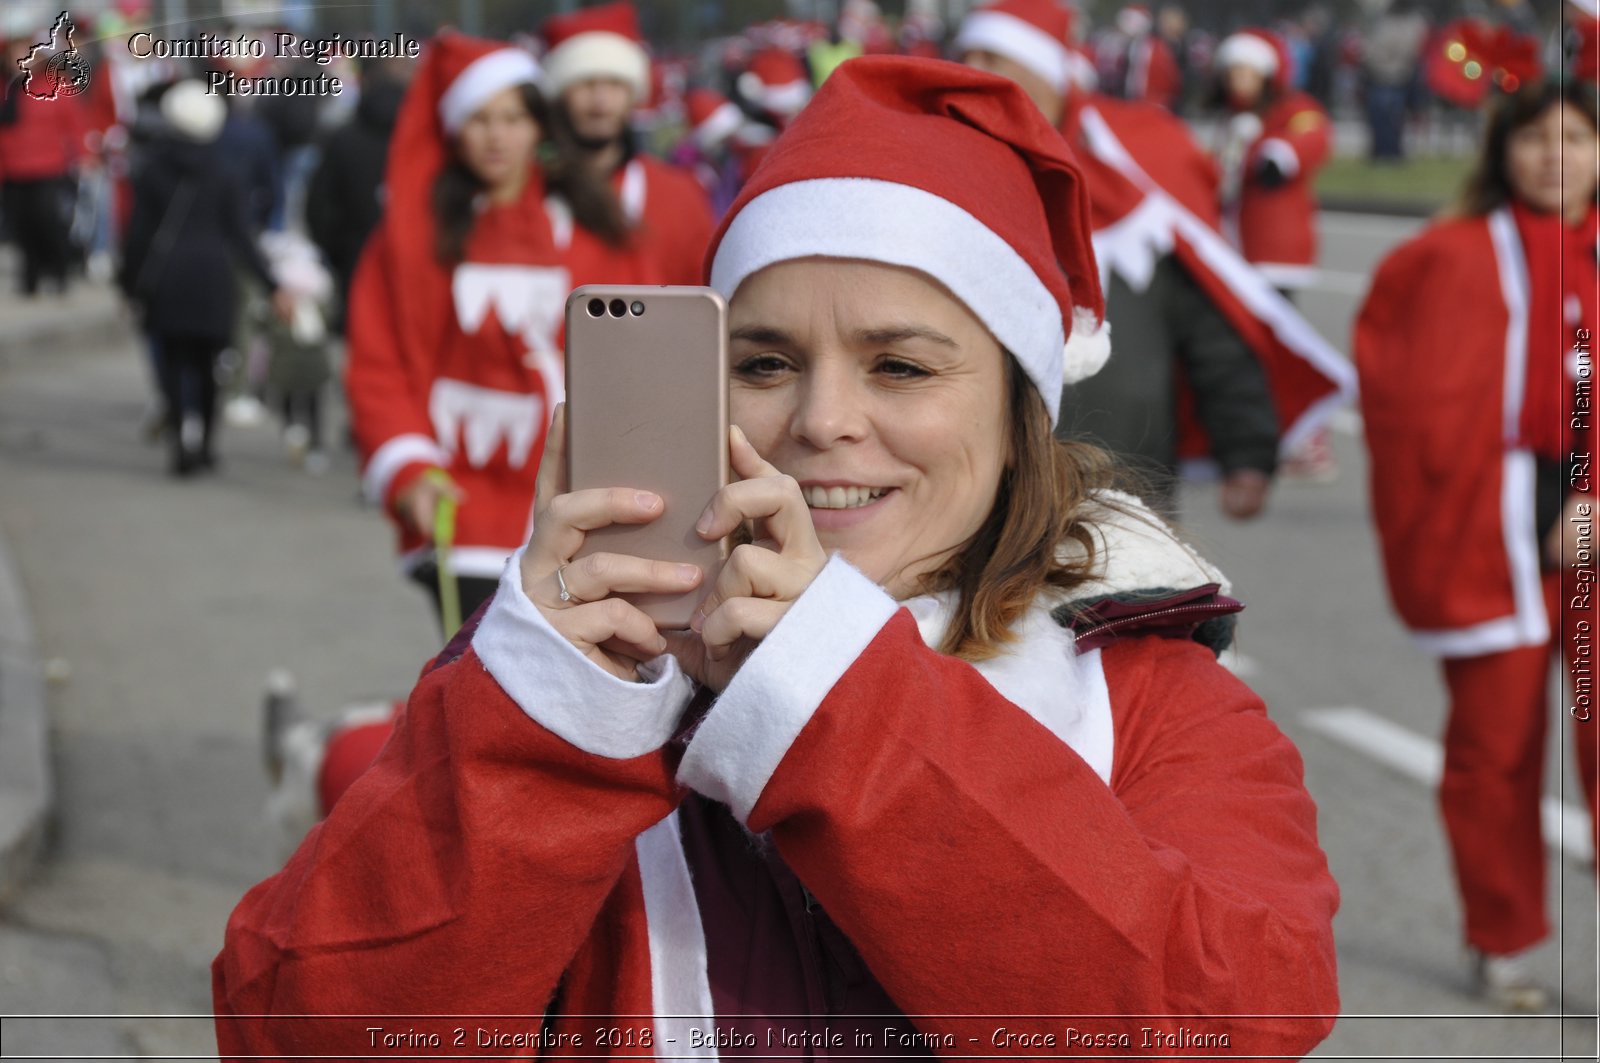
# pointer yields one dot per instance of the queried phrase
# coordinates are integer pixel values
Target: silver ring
(561, 582)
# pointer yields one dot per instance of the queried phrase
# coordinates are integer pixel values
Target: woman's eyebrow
(762, 334)
(891, 334)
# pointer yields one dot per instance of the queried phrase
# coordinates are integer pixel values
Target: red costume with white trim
(459, 368)
(1271, 153)
(674, 215)
(1473, 348)
(670, 209)
(1278, 224)
(1117, 831)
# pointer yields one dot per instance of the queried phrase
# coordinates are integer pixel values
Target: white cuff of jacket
(558, 687)
(781, 684)
(1281, 152)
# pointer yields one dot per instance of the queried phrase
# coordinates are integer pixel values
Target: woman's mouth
(819, 497)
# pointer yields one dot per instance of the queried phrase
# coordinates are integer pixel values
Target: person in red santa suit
(1213, 362)
(1474, 349)
(936, 689)
(455, 313)
(1150, 70)
(454, 363)
(595, 72)
(1275, 141)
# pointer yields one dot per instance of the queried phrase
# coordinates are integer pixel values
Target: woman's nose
(830, 408)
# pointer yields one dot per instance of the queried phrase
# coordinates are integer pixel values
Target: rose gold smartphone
(647, 407)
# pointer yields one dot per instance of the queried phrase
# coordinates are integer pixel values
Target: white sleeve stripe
(558, 687)
(780, 686)
(396, 454)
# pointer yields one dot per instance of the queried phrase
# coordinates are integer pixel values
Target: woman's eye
(761, 365)
(894, 367)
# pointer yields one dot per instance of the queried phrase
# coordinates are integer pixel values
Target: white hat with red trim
(596, 42)
(1035, 34)
(947, 170)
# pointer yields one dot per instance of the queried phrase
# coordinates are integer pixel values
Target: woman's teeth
(842, 497)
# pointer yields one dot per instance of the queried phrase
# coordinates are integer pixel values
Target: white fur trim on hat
(597, 54)
(785, 99)
(193, 113)
(882, 221)
(1017, 40)
(1087, 348)
(482, 78)
(1248, 50)
(719, 125)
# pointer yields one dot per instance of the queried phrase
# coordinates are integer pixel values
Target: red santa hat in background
(947, 170)
(713, 118)
(776, 82)
(1035, 34)
(596, 42)
(468, 71)
(1260, 50)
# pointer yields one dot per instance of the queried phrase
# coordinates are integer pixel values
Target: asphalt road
(165, 605)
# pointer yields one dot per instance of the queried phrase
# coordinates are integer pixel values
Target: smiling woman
(946, 737)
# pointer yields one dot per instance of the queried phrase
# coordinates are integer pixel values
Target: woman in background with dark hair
(454, 331)
(1474, 354)
(455, 309)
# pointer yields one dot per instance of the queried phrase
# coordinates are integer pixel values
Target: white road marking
(1566, 826)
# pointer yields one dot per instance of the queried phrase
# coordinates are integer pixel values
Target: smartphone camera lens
(636, 308)
(597, 307)
(618, 308)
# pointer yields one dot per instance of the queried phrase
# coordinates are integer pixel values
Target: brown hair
(594, 207)
(1039, 506)
(1488, 187)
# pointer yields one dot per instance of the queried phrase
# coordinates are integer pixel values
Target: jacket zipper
(1197, 608)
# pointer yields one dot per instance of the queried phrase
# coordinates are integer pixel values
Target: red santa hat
(947, 170)
(467, 71)
(1260, 50)
(1036, 34)
(596, 42)
(776, 82)
(713, 118)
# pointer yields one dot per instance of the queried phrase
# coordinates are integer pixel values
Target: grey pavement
(163, 605)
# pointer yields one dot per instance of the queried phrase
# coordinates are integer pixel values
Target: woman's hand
(418, 505)
(611, 632)
(760, 579)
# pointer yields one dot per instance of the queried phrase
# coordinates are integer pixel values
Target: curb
(27, 787)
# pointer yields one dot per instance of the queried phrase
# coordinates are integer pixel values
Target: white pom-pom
(1087, 348)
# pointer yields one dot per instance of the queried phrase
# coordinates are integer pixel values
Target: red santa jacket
(1153, 192)
(44, 139)
(1113, 832)
(1277, 225)
(460, 370)
(673, 213)
(1442, 351)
